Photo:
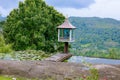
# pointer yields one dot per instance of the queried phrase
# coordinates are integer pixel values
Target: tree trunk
(66, 47)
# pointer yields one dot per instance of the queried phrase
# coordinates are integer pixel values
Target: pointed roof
(66, 24)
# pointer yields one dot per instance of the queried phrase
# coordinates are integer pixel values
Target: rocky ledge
(56, 70)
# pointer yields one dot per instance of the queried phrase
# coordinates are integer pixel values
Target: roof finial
(66, 17)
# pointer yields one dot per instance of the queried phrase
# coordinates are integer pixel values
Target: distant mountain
(2, 18)
(96, 33)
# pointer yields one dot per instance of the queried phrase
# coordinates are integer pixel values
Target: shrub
(4, 48)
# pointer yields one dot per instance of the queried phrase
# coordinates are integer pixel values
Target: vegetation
(14, 78)
(5, 78)
(96, 36)
(32, 29)
(33, 26)
(2, 18)
(25, 55)
(1, 24)
(93, 76)
(23, 78)
(111, 53)
(3, 46)
(96, 33)
(99, 37)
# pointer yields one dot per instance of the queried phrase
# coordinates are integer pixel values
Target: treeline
(96, 33)
(2, 18)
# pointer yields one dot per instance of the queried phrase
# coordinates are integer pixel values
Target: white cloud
(102, 8)
(5, 8)
(4, 12)
(70, 3)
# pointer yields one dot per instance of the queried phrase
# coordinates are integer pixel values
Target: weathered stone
(55, 70)
(110, 72)
(60, 57)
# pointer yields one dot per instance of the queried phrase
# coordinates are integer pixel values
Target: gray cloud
(70, 3)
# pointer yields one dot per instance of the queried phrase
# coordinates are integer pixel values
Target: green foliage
(113, 53)
(33, 26)
(6, 77)
(96, 33)
(96, 37)
(1, 24)
(94, 75)
(4, 47)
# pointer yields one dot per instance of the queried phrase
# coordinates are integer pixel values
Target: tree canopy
(96, 33)
(33, 26)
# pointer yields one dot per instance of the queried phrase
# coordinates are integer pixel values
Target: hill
(95, 33)
(2, 18)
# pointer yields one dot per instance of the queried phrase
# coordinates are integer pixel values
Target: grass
(94, 75)
(3, 46)
(6, 77)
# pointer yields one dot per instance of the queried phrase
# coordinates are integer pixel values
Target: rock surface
(56, 70)
(59, 57)
(108, 72)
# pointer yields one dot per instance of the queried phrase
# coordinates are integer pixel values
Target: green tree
(33, 26)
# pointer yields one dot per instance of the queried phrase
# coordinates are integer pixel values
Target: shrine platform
(60, 57)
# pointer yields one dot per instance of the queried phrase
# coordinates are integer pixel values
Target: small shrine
(65, 33)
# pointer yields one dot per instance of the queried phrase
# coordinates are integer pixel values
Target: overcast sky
(81, 8)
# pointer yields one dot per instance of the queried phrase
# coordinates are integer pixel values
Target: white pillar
(58, 34)
(70, 34)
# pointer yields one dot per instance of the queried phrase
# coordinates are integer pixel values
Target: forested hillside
(95, 33)
(2, 18)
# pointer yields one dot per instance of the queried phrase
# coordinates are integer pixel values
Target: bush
(94, 75)
(4, 48)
